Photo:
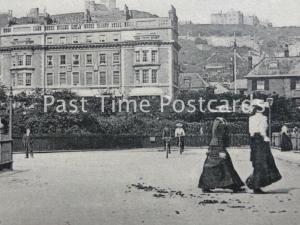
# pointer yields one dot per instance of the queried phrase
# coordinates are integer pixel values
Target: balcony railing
(132, 24)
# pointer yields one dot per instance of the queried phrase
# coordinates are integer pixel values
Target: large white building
(133, 57)
(231, 17)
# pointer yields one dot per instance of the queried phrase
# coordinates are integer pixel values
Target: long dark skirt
(286, 143)
(265, 170)
(218, 172)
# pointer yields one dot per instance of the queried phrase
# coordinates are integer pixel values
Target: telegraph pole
(234, 64)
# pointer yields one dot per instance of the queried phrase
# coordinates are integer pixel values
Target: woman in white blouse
(265, 171)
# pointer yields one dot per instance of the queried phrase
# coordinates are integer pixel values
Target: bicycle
(167, 146)
(180, 144)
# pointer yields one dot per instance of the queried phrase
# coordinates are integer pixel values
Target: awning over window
(148, 91)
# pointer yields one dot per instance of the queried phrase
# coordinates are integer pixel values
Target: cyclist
(166, 136)
(180, 134)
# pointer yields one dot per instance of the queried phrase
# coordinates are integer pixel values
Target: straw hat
(179, 125)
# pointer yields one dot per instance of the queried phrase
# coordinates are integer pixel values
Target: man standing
(27, 143)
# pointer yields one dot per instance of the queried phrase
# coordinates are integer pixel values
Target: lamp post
(270, 102)
(10, 112)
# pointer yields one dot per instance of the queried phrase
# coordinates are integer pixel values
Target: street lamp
(270, 102)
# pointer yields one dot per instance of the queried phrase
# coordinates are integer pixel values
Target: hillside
(193, 60)
(268, 40)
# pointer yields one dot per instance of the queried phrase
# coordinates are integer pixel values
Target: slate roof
(276, 67)
(196, 81)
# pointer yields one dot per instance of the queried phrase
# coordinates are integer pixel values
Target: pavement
(141, 186)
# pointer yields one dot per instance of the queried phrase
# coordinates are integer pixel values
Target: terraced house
(129, 57)
(276, 75)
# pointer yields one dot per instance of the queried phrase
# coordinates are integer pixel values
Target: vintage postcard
(139, 112)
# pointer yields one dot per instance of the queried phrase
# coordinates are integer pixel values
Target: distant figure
(295, 131)
(286, 143)
(180, 134)
(27, 143)
(218, 170)
(166, 136)
(201, 131)
(265, 171)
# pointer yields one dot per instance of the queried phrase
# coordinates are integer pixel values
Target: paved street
(140, 187)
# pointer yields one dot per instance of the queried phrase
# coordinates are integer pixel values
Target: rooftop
(192, 81)
(147, 23)
(276, 67)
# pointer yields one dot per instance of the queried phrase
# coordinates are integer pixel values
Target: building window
(75, 39)
(13, 78)
(89, 59)
(102, 59)
(49, 41)
(62, 79)
(138, 56)
(116, 37)
(28, 60)
(260, 85)
(116, 58)
(298, 84)
(89, 78)
(28, 79)
(76, 60)
(116, 77)
(62, 40)
(145, 76)
(102, 38)
(154, 55)
(295, 84)
(89, 38)
(14, 62)
(154, 76)
(20, 60)
(20, 79)
(62, 60)
(75, 77)
(187, 82)
(145, 56)
(102, 78)
(50, 79)
(137, 77)
(49, 60)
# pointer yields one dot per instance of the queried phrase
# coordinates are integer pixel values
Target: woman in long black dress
(286, 143)
(218, 170)
(265, 171)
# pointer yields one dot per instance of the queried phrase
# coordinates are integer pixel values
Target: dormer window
(273, 65)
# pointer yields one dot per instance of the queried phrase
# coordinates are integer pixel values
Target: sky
(279, 12)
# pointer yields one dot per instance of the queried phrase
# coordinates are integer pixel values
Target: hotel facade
(134, 57)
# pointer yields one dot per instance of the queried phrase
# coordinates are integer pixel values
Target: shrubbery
(29, 112)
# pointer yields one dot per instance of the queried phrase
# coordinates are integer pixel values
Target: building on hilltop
(231, 17)
(251, 20)
(129, 57)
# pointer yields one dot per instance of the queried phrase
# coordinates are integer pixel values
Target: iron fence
(295, 138)
(94, 142)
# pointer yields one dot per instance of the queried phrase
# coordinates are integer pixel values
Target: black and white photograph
(149, 112)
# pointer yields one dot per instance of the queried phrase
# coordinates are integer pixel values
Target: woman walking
(218, 170)
(265, 171)
(286, 143)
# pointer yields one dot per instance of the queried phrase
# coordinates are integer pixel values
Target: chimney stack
(250, 62)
